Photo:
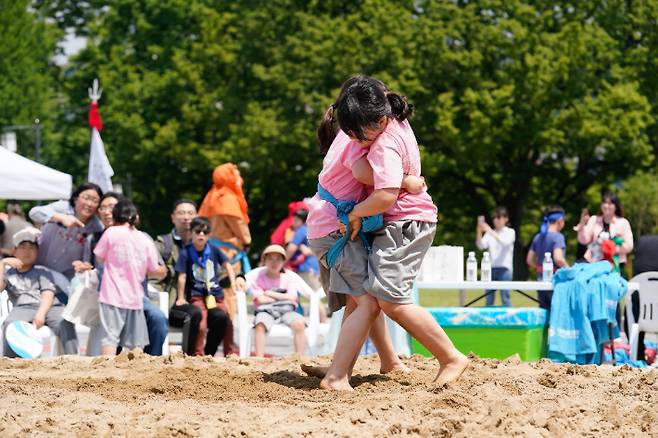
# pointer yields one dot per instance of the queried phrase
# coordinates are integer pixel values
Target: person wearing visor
(551, 240)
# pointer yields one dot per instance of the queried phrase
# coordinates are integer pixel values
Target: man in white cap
(31, 289)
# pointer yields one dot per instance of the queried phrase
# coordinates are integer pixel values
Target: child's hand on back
(413, 184)
(355, 225)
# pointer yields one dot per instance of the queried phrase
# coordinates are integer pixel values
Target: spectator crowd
(200, 264)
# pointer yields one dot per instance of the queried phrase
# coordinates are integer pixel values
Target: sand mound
(139, 395)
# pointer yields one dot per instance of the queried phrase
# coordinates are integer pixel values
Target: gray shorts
(125, 327)
(349, 274)
(271, 317)
(397, 253)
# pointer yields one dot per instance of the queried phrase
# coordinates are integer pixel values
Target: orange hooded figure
(226, 207)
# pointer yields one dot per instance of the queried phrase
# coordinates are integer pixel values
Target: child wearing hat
(31, 289)
(275, 299)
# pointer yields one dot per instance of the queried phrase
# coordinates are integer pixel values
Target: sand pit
(182, 396)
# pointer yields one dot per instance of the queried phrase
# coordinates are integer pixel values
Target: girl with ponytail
(128, 256)
(376, 120)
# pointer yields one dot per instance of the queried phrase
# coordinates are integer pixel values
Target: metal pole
(37, 140)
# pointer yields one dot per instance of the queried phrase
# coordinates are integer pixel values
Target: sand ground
(182, 396)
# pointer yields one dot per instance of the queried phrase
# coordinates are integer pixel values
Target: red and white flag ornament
(100, 170)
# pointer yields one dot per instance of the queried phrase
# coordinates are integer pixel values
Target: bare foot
(315, 371)
(452, 371)
(333, 384)
(397, 367)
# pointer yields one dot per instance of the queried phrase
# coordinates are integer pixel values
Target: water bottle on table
(485, 267)
(547, 267)
(471, 267)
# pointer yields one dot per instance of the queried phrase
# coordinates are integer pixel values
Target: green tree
(517, 104)
(27, 88)
(526, 105)
(639, 198)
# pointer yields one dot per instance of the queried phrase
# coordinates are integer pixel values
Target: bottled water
(485, 267)
(547, 267)
(471, 267)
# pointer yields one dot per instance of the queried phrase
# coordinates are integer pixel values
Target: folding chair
(648, 316)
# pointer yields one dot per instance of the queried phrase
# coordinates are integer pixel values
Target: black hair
(200, 222)
(501, 212)
(125, 212)
(81, 188)
(362, 102)
(301, 214)
(116, 195)
(553, 209)
(610, 196)
(178, 202)
(14, 207)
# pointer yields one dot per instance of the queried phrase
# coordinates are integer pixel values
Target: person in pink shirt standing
(377, 119)
(128, 256)
(610, 223)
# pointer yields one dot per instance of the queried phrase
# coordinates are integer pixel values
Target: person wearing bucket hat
(275, 290)
(31, 289)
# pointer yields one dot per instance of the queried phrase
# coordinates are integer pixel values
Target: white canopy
(24, 179)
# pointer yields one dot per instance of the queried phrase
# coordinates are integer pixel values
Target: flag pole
(100, 170)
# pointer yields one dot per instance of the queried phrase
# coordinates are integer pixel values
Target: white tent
(21, 178)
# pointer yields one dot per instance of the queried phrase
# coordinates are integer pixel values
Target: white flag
(100, 171)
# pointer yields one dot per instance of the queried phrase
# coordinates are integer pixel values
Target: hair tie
(332, 108)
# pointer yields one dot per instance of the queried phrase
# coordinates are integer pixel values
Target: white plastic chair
(648, 316)
(161, 299)
(279, 330)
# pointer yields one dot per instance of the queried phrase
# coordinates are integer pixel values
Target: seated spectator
(128, 256)
(66, 227)
(156, 321)
(31, 289)
(301, 258)
(200, 267)
(549, 239)
(13, 221)
(284, 231)
(299, 254)
(170, 245)
(275, 299)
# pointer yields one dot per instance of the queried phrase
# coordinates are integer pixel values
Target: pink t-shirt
(395, 154)
(336, 177)
(286, 281)
(129, 255)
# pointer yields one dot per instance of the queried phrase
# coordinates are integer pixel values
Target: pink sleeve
(386, 162)
(586, 233)
(353, 153)
(256, 288)
(103, 245)
(152, 256)
(627, 235)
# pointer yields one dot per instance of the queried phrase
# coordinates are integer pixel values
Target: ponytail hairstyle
(327, 130)
(362, 103)
(125, 212)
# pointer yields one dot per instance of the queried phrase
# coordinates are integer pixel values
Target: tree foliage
(27, 89)
(518, 103)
